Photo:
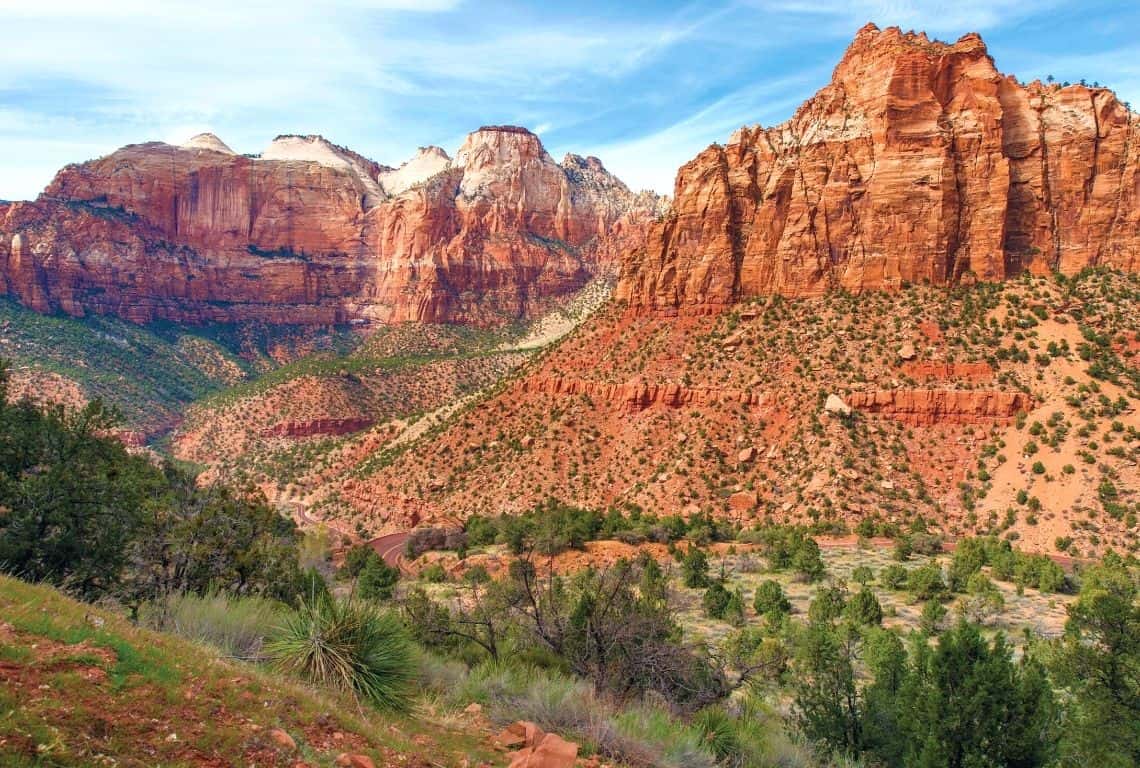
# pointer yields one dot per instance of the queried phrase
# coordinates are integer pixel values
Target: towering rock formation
(918, 162)
(310, 232)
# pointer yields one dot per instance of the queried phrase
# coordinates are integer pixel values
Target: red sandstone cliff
(918, 162)
(309, 232)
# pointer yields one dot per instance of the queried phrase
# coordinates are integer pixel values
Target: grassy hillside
(83, 687)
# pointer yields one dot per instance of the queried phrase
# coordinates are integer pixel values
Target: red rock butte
(918, 162)
(311, 232)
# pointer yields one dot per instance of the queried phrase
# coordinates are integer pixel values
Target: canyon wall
(310, 232)
(918, 162)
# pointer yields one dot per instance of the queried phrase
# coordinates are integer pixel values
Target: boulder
(836, 405)
(349, 760)
(283, 740)
(742, 501)
(537, 749)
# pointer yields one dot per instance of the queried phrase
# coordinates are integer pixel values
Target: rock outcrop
(638, 395)
(310, 232)
(918, 162)
(926, 407)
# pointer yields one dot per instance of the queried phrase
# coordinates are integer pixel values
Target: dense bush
(721, 603)
(553, 526)
(961, 702)
(770, 599)
(377, 579)
(1006, 564)
(863, 609)
(695, 568)
(792, 547)
(1099, 661)
(85, 514)
(925, 583)
(893, 576)
(612, 626)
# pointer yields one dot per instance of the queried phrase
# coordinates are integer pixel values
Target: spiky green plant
(348, 645)
(718, 733)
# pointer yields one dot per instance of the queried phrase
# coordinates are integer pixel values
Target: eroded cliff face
(918, 162)
(309, 232)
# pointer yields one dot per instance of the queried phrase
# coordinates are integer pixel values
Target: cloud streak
(643, 85)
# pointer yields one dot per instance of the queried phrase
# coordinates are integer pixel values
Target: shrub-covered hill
(83, 687)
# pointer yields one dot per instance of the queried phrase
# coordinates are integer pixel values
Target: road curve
(390, 547)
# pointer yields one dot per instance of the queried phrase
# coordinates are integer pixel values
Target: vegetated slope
(288, 426)
(919, 164)
(310, 232)
(249, 432)
(149, 377)
(150, 373)
(80, 686)
(954, 398)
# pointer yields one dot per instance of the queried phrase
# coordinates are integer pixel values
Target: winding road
(390, 546)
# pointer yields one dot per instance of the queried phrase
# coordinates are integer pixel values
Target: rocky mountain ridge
(919, 162)
(310, 232)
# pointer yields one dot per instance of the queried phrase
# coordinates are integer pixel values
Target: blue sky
(645, 86)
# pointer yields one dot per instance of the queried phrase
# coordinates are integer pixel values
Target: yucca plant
(718, 733)
(348, 645)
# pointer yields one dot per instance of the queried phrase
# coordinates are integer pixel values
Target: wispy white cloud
(651, 161)
(645, 88)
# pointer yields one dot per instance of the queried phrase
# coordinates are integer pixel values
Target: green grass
(238, 627)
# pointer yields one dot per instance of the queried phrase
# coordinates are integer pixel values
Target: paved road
(390, 547)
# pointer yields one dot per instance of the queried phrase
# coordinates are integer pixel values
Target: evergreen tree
(770, 599)
(864, 609)
(695, 568)
(965, 703)
(827, 708)
(377, 580)
(1099, 660)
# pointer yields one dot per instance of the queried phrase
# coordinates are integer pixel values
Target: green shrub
(355, 560)
(926, 583)
(377, 580)
(721, 603)
(347, 645)
(770, 599)
(434, 574)
(893, 576)
(864, 609)
(933, 612)
(477, 574)
(827, 605)
(695, 568)
(983, 599)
